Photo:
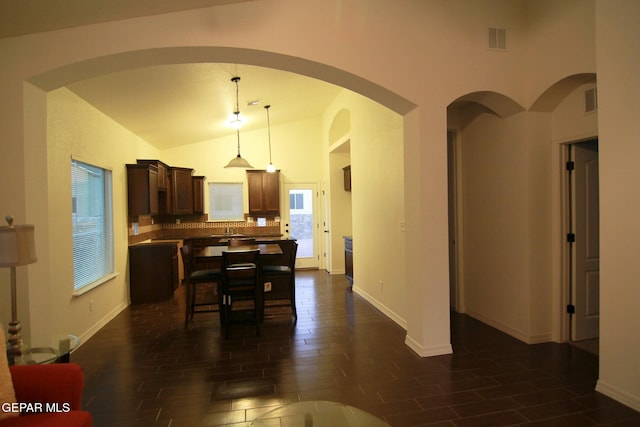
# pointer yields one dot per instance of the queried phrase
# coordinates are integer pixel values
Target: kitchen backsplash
(147, 228)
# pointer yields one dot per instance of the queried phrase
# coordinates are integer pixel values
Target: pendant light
(270, 168)
(238, 161)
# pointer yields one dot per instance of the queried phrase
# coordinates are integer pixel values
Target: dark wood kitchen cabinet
(348, 258)
(179, 195)
(346, 171)
(264, 193)
(154, 188)
(198, 194)
(163, 172)
(142, 189)
(153, 272)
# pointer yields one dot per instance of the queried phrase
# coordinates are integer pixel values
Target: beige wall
(296, 151)
(74, 128)
(560, 43)
(377, 203)
(414, 59)
(340, 210)
(495, 221)
(618, 37)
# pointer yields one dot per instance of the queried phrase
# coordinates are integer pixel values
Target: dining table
(212, 252)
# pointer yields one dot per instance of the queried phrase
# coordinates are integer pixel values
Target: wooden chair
(280, 274)
(199, 277)
(241, 286)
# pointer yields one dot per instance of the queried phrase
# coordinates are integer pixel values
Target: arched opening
(70, 73)
(571, 103)
(37, 92)
(491, 202)
(558, 92)
(340, 126)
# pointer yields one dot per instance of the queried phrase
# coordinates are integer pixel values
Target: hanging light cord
(269, 129)
(238, 161)
(237, 112)
(238, 133)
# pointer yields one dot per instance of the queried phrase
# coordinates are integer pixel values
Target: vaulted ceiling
(172, 105)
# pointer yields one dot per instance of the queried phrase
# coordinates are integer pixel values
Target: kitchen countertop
(158, 242)
(223, 238)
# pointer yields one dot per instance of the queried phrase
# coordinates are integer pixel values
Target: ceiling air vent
(590, 100)
(497, 38)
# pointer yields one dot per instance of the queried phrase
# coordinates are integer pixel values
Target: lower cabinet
(153, 272)
(348, 258)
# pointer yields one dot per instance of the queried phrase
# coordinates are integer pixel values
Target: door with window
(301, 222)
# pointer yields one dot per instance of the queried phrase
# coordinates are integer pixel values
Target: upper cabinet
(264, 193)
(157, 189)
(346, 171)
(180, 191)
(163, 172)
(198, 194)
(142, 183)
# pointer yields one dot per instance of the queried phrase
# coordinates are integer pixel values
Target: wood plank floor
(145, 369)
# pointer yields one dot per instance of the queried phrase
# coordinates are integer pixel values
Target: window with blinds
(225, 201)
(92, 213)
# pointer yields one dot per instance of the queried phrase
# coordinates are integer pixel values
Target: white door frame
(569, 250)
(455, 240)
(314, 261)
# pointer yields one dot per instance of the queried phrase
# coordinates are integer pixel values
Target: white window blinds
(92, 214)
(225, 201)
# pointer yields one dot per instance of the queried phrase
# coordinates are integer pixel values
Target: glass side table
(318, 413)
(57, 350)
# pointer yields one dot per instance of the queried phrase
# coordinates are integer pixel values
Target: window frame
(98, 234)
(235, 190)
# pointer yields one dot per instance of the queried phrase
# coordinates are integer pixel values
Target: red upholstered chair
(60, 383)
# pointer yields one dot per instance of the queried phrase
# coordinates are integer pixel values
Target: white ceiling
(172, 105)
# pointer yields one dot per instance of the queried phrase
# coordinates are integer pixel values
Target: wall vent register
(498, 38)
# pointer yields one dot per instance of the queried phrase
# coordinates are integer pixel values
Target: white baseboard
(619, 395)
(410, 342)
(380, 306)
(421, 351)
(102, 322)
(528, 339)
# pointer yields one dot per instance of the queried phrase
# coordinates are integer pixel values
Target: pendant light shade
(238, 161)
(270, 167)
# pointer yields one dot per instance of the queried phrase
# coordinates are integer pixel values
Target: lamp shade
(239, 162)
(17, 245)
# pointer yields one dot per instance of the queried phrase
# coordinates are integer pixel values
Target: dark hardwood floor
(145, 369)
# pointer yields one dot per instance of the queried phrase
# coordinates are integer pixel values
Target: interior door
(586, 287)
(301, 222)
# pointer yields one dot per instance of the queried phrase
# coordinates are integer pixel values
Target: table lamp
(17, 247)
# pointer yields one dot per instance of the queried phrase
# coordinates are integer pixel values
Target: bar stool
(195, 278)
(240, 284)
(286, 271)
